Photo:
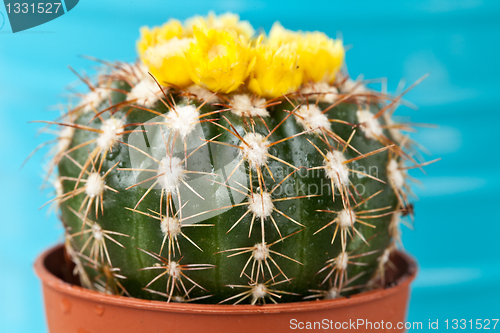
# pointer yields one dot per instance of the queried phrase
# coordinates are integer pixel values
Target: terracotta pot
(73, 309)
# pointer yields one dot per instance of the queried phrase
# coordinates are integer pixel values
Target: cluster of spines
(254, 153)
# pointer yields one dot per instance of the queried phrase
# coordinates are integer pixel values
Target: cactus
(227, 168)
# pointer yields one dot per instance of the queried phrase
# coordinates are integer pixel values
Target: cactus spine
(238, 169)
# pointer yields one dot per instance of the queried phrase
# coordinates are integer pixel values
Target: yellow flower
(157, 35)
(195, 22)
(228, 22)
(279, 35)
(215, 52)
(320, 57)
(276, 71)
(219, 60)
(167, 61)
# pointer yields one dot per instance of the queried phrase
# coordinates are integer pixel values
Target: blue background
(457, 220)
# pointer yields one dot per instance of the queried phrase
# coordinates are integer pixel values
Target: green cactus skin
(133, 237)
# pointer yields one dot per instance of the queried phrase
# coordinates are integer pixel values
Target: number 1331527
(40, 8)
(479, 324)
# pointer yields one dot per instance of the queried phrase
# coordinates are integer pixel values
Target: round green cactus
(213, 191)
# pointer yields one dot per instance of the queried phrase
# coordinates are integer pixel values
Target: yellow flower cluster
(219, 53)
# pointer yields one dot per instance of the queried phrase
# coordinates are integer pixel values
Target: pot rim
(52, 281)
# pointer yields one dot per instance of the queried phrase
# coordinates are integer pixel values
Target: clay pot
(73, 309)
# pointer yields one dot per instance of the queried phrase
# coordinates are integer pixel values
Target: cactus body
(183, 194)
